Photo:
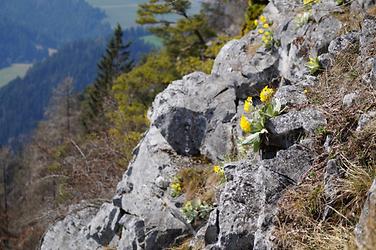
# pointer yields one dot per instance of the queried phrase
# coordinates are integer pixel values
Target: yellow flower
(245, 125)
(255, 22)
(305, 2)
(248, 104)
(216, 169)
(266, 26)
(263, 19)
(267, 33)
(266, 94)
(305, 91)
(261, 31)
(176, 187)
(265, 39)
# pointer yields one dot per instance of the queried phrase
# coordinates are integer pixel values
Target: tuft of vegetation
(199, 185)
(303, 18)
(196, 210)
(255, 125)
(310, 2)
(313, 65)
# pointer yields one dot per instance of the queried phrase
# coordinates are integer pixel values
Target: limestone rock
(365, 230)
(349, 99)
(247, 203)
(104, 225)
(139, 195)
(332, 174)
(287, 128)
(133, 233)
(258, 67)
(365, 119)
(326, 60)
(368, 50)
(194, 114)
(291, 95)
(343, 42)
(70, 233)
(363, 4)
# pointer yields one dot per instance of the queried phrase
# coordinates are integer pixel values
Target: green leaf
(277, 107)
(257, 145)
(251, 138)
(257, 125)
(254, 137)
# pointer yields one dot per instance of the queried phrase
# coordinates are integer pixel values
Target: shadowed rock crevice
(189, 130)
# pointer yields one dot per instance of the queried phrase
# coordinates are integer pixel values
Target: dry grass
(352, 21)
(186, 245)
(301, 221)
(199, 182)
(354, 187)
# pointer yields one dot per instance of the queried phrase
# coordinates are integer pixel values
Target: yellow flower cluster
(266, 94)
(267, 35)
(176, 188)
(245, 125)
(248, 104)
(306, 2)
(263, 19)
(216, 169)
(220, 172)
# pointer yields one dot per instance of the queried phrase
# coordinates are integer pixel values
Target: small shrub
(313, 65)
(54, 168)
(302, 19)
(196, 209)
(341, 2)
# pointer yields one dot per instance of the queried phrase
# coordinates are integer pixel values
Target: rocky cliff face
(199, 116)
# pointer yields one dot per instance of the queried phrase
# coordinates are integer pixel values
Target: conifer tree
(115, 61)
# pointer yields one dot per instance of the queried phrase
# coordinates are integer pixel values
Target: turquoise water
(125, 11)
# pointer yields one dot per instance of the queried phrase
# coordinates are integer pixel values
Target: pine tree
(115, 61)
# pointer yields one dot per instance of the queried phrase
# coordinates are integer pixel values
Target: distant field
(119, 11)
(153, 40)
(12, 72)
(124, 11)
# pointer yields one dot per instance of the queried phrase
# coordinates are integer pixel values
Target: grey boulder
(71, 232)
(104, 226)
(247, 205)
(365, 230)
(285, 130)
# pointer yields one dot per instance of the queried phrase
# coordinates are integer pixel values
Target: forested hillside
(19, 44)
(23, 101)
(29, 28)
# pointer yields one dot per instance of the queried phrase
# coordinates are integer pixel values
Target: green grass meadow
(12, 72)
